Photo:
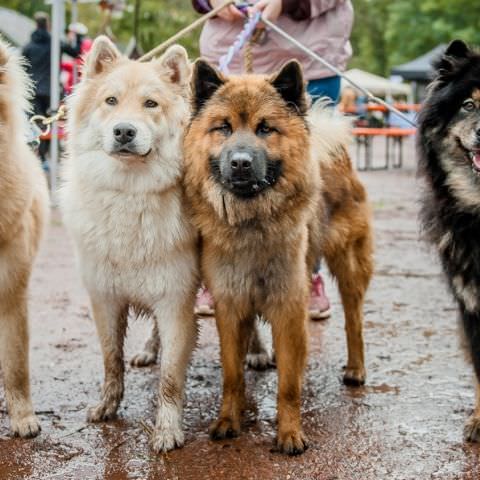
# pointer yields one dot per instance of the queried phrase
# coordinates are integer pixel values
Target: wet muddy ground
(406, 423)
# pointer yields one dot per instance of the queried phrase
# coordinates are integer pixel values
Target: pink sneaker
(204, 305)
(319, 307)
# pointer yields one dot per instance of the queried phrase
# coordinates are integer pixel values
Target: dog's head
(452, 109)
(127, 113)
(15, 88)
(249, 132)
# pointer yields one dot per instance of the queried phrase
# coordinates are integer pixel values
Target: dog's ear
(457, 48)
(101, 57)
(454, 55)
(4, 53)
(289, 83)
(4, 57)
(175, 61)
(206, 80)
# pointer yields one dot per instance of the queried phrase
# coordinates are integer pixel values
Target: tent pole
(57, 21)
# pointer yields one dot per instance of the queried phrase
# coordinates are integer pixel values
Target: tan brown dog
(272, 192)
(23, 213)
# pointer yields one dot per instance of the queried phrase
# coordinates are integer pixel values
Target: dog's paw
(165, 439)
(354, 377)
(103, 412)
(471, 432)
(143, 359)
(260, 361)
(292, 442)
(224, 428)
(25, 427)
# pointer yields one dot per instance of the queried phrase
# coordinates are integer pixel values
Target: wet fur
(258, 254)
(136, 247)
(23, 216)
(450, 212)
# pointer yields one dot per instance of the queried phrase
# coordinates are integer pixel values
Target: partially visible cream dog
(123, 204)
(23, 214)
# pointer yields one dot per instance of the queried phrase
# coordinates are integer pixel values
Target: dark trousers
(41, 104)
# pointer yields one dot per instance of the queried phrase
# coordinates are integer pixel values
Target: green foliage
(385, 32)
(388, 33)
(27, 7)
(158, 21)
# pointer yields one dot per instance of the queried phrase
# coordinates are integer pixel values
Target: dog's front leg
(234, 330)
(111, 321)
(177, 327)
(290, 341)
(14, 363)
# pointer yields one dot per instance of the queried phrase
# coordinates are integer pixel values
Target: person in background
(324, 26)
(71, 68)
(38, 52)
(348, 101)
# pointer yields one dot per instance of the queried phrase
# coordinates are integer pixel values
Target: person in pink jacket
(324, 26)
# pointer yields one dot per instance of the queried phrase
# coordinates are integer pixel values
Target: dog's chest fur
(137, 243)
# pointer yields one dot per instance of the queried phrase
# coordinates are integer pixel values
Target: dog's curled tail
(15, 88)
(330, 130)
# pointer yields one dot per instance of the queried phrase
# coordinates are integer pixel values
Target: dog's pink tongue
(476, 159)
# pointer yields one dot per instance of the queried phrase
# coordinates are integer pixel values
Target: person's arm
(201, 6)
(73, 50)
(230, 13)
(303, 9)
(28, 63)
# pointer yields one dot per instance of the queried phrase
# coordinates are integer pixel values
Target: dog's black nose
(124, 132)
(241, 162)
(477, 132)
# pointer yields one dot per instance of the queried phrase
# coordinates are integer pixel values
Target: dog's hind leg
(353, 268)
(260, 353)
(149, 353)
(111, 321)
(178, 333)
(14, 363)
(471, 324)
(234, 328)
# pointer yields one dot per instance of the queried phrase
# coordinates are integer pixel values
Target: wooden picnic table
(375, 107)
(364, 137)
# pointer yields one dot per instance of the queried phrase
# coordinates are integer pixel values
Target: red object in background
(72, 67)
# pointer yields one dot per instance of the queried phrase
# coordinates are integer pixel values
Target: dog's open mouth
(474, 156)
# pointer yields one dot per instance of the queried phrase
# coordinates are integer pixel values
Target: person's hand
(271, 9)
(230, 13)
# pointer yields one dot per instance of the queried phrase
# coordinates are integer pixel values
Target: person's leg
(325, 87)
(41, 104)
(319, 307)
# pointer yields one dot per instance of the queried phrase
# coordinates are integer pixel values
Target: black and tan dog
(449, 161)
(272, 191)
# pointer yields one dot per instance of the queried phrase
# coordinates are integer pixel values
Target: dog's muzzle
(244, 171)
(124, 135)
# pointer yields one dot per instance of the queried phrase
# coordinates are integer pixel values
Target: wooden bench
(364, 137)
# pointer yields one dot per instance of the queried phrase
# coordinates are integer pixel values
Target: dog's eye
(468, 105)
(225, 129)
(150, 104)
(111, 101)
(263, 129)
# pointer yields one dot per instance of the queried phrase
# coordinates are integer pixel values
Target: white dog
(23, 216)
(122, 202)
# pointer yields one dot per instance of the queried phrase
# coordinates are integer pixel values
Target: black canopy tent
(419, 71)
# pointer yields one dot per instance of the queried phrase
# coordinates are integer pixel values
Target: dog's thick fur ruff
(23, 215)
(136, 247)
(258, 253)
(448, 137)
